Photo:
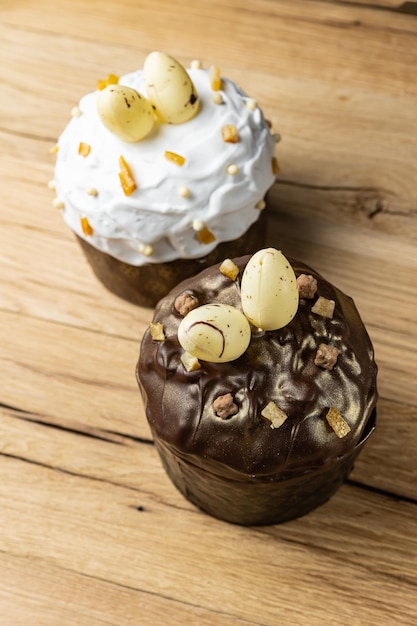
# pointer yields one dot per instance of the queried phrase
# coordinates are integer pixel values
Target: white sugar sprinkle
(184, 192)
(146, 249)
(232, 169)
(198, 225)
(251, 104)
(57, 203)
(217, 98)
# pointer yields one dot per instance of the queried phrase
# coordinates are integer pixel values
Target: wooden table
(92, 531)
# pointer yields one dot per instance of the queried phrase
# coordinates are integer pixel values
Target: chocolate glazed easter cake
(259, 382)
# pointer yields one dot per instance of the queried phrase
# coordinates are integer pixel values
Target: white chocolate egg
(269, 290)
(125, 112)
(170, 89)
(215, 332)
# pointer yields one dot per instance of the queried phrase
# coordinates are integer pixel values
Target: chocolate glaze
(278, 366)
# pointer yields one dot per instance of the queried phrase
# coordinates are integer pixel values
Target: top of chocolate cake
(290, 400)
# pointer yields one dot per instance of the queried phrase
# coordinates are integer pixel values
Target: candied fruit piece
(204, 234)
(84, 149)
(174, 157)
(337, 422)
(190, 362)
(324, 307)
(230, 133)
(126, 179)
(157, 331)
(229, 268)
(215, 78)
(275, 166)
(274, 414)
(86, 227)
(111, 79)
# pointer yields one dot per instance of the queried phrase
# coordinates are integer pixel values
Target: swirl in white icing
(158, 216)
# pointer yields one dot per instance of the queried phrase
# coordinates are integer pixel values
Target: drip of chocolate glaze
(278, 366)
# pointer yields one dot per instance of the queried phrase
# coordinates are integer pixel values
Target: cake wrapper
(258, 500)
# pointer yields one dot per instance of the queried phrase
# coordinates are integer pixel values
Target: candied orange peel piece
(111, 79)
(174, 157)
(157, 331)
(204, 234)
(215, 78)
(229, 268)
(126, 178)
(230, 133)
(84, 149)
(275, 166)
(190, 362)
(86, 227)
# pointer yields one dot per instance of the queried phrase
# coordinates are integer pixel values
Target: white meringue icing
(159, 215)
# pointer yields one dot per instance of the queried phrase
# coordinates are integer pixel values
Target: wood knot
(371, 202)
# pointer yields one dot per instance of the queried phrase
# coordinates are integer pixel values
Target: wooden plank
(45, 373)
(381, 465)
(299, 567)
(92, 531)
(27, 585)
(87, 452)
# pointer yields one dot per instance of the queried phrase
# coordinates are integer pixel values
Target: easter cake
(163, 172)
(259, 383)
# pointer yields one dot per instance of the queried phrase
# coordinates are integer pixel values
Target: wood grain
(92, 531)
